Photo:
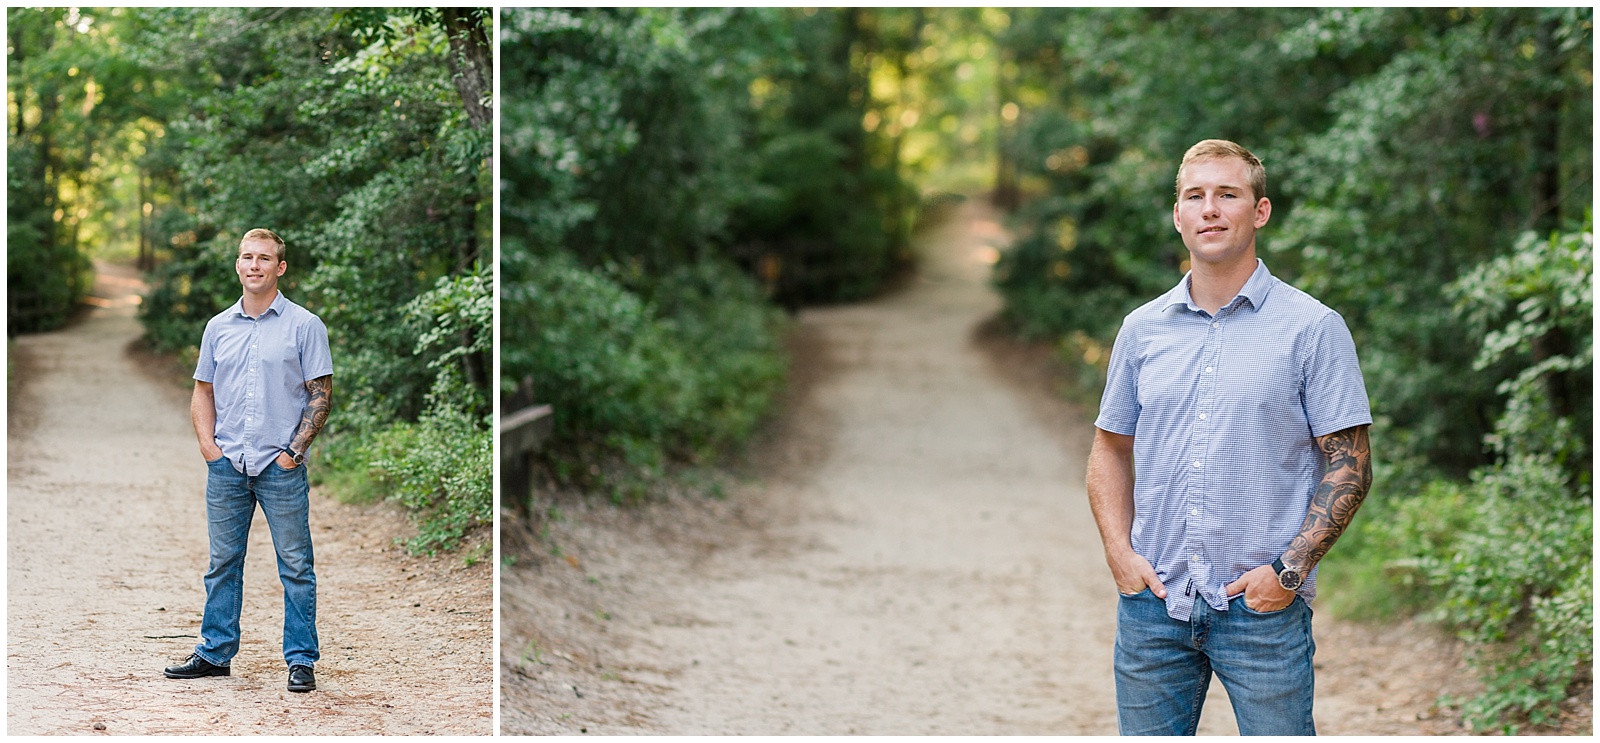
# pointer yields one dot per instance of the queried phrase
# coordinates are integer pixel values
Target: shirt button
(1197, 464)
(1194, 512)
(1208, 370)
(1202, 416)
(1194, 558)
(1216, 325)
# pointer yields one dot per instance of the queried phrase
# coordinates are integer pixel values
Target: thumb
(1154, 582)
(1233, 589)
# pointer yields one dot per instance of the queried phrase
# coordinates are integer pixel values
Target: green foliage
(827, 209)
(1383, 565)
(45, 276)
(1507, 560)
(439, 468)
(1520, 583)
(1491, 102)
(622, 128)
(1519, 588)
(62, 112)
(639, 383)
(662, 136)
(1534, 308)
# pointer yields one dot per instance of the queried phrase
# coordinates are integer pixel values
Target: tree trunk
(471, 62)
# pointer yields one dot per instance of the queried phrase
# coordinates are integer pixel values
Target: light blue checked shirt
(1224, 412)
(258, 368)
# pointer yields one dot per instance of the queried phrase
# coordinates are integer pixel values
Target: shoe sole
(172, 675)
(303, 689)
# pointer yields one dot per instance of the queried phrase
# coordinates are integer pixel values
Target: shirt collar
(1254, 291)
(279, 304)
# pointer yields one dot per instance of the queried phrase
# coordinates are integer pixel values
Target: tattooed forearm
(315, 414)
(1343, 487)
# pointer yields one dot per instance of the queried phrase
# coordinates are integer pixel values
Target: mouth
(1210, 230)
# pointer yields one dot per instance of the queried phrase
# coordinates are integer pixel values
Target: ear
(282, 266)
(1176, 224)
(1263, 212)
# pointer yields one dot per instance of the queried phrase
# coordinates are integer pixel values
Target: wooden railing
(522, 432)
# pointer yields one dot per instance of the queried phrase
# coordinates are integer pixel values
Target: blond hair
(266, 235)
(1212, 148)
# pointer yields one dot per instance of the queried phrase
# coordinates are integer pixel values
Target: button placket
(1200, 446)
(251, 383)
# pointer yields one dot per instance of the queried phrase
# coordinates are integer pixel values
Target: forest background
(671, 176)
(159, 136)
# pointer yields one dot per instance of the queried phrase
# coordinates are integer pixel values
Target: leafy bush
(638, 383)
(1519, 588)
(439, 468)
(1506, 559)
(1520, 583)
(1383, 564)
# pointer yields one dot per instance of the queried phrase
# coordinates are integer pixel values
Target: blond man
(1230, 452)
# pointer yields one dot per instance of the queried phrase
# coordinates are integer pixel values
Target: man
(1231, 451)
(262, 389)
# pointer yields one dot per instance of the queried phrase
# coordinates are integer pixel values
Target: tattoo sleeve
(1344, 486)
(315, 414)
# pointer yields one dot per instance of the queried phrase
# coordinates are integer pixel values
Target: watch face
(1290, 579)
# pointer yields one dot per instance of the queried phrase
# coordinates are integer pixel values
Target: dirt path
(917, 557)
(106, 546)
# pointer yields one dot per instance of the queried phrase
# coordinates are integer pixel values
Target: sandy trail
(913, 555)
(106, 546)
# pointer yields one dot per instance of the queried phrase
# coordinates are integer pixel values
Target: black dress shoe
(300, 678)
(195, 667)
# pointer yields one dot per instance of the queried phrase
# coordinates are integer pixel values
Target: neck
(1212, 286)
(255, 304)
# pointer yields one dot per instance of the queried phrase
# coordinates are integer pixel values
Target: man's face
(1216, 213)
(259, 267)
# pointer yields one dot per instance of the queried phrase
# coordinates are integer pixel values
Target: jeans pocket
(1273, 613)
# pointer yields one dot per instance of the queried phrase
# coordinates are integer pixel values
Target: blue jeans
(231, 498)
(1164, 666)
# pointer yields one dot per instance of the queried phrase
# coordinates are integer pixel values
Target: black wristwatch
(298, 458)
(1289, 578)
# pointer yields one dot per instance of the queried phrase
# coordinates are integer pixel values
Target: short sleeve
(1335, 394)
(205, 367)
(315, 359)
(1119, 404)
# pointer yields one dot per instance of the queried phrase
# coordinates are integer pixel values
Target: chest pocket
(1266, 385)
